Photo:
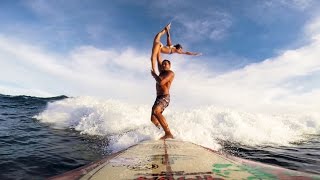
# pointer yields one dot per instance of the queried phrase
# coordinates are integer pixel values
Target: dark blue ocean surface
(30, 149)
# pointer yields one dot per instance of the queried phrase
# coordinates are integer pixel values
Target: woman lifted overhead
(158, 47)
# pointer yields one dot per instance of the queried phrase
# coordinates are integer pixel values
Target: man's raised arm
(162, 81)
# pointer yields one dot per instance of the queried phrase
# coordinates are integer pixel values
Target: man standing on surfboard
(163, 84)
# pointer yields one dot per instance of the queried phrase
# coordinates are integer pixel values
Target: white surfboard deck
(179, 160)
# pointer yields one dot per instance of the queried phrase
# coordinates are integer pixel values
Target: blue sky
(249, 29)
(102, 48)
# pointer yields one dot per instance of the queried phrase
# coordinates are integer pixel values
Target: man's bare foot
(166, 136)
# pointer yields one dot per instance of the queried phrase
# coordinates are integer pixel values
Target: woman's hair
(178, 46)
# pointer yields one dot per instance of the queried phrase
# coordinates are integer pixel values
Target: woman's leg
(156, 48)
(155, 51)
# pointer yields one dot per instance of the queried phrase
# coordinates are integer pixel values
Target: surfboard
(178, 160)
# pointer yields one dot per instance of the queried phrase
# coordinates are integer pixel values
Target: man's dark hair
(178, 46)
(167, 61)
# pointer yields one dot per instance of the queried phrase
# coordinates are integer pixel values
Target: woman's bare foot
(167, 28)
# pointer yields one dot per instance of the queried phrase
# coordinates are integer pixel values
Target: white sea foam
(127, 124)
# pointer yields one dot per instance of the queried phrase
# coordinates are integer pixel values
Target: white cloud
(212, 24)
(295, 4)
(46, 9)
(265, 84)
(24, 91)
(86, 70)
(198, 21)
(313, 29)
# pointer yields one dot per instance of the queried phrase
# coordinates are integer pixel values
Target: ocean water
(43, 137)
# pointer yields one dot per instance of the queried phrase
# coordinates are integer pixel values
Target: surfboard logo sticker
(133, 164)
(225, 170)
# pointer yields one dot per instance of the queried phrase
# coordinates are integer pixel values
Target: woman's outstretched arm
(189, 53)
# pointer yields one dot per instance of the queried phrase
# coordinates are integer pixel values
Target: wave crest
(127, 124)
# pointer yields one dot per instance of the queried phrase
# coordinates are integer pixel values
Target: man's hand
(155, 76)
